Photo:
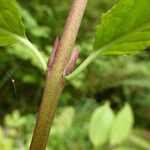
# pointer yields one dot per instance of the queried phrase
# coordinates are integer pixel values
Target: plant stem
(55, 80)
(33, 50)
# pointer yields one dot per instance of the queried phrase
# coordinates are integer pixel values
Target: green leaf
(125, 29)
(100, 123)
(12, 29)
(10, 23)
(122, 125)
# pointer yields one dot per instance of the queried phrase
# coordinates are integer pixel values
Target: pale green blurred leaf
(64, 121)
(100, 123)
(122, 125)
(125, 29)
(140, 142)
(14, 119)
(31, 24)
(5, 142)
(23, 53)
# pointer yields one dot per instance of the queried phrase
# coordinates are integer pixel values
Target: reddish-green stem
(55, 80)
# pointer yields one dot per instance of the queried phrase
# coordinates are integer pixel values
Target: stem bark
(55, 80)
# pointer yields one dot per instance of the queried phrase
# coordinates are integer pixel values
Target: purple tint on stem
(54, 50)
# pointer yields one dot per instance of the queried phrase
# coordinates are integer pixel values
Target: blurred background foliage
(117, 79)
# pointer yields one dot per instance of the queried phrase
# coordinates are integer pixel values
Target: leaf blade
(10, 22)
(128, 21)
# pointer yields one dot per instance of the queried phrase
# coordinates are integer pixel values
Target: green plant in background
(66, 132)
(5, 143)
(114, 130)
(109, 131)
(123, 30)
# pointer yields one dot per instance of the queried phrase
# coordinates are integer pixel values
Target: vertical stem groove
(55, 80)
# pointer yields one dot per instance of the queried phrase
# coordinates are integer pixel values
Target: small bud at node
(72, 62)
